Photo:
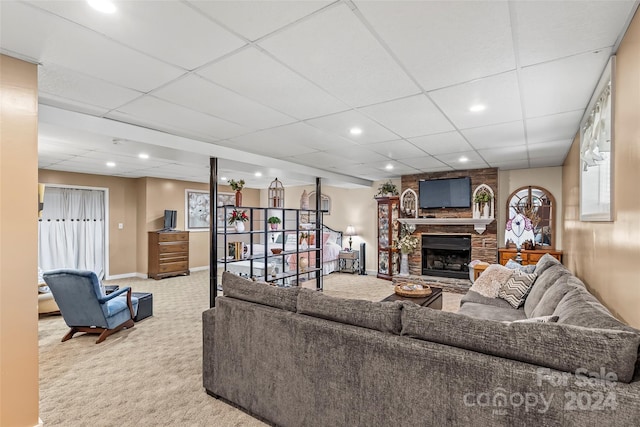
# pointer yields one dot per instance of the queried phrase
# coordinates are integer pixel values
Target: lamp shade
(351, 231)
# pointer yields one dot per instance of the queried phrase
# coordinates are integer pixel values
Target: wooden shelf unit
(528, 256)
(168, 254)
(388, 234)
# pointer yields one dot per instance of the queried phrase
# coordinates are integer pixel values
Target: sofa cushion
(381, 316)
(517, 288)
(562, 347)
(545, 262)
(238, 287)
(491, 312)
(472, 296)
(513, 265)
(539, 319)
(489, 282)
(545, 280)
(579, 308)
(554, 294)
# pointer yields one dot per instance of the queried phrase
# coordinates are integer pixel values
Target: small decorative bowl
(276, 251)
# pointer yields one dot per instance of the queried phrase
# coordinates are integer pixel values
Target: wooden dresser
(168, 254)
(528, 256)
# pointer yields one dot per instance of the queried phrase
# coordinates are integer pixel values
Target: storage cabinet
(168, 254)
(528, 256)
(388, 235)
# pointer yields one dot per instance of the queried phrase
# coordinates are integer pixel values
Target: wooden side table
(478, 269)
(349, 261)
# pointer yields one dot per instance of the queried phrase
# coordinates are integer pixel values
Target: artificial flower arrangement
(236, 185)
(408, 243)
(238, 216)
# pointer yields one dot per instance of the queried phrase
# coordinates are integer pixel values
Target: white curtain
(71, 230)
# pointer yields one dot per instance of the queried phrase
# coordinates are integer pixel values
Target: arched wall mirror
(537, 205)
(325, 202)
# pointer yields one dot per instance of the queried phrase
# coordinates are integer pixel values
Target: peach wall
(605, 255)
(18, 243)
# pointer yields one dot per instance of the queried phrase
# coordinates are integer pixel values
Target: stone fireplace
(446, 255)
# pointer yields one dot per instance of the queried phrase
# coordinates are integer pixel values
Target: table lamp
(519, 229)
(351, 231)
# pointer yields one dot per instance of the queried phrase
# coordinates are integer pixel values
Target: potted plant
(237, 186)
(274, 221)
(387, 189)
(482, 199)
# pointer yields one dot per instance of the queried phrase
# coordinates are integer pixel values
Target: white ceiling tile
(323, 160)
(473, 160)
(425, 163)
(510, 165)
(55, 40)
(397, 150)
(167, 30)
(258, 76)
(69, 104)
(562, 85)
(412, 116)
(558, 149)
(448, 142)
(546, 162)
(67, 84)
(340, 123)
(254, 19)
(358, 154)
(425, 34)
(502, 135)
(554, 127)
(499, 94)
(334, 49)
(299, 137)
(198, 94)
(550, 30)
(503, 154)
(161, 114)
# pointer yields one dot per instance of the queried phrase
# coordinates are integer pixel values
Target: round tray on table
(413, 293)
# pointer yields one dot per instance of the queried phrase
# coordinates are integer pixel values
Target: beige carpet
(151, 375)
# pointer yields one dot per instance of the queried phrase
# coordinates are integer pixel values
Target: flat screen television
(170, 218)
(445, 193)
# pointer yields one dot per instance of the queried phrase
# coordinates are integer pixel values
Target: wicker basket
(416, 293)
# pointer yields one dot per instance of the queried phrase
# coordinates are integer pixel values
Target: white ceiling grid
(275, 86)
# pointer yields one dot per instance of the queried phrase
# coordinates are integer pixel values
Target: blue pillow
(528, 269)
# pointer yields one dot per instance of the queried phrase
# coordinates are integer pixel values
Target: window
(536, 204)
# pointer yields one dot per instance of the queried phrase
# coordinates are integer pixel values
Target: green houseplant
(274, 221)
(482, 197)
(236, 185)
(387, 188)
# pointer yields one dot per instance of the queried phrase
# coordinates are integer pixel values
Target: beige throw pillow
(489, 282)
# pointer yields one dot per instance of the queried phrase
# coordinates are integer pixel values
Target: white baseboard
(126, 276)
(206, 267)
(40, 423)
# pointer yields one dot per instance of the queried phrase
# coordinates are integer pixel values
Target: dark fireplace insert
(446, 255)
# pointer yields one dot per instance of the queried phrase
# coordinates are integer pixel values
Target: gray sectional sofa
(297, 357)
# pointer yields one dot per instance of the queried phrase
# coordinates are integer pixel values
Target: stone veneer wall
(484, 246)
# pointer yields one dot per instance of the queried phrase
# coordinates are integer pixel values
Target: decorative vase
(404, 264)
(485, 210)
(238, 198)
(239, 226)
(304, 263)
(274, 226)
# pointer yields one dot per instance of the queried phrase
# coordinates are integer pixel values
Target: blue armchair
(85, 307)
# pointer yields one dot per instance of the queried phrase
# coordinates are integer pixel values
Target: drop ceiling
(275, 86)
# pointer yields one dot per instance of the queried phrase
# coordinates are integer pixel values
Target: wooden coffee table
(432, 301)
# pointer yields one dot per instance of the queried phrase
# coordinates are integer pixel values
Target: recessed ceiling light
(143, 155)
(258, 174)
(463, 159)
(389, 167)
(355, 131)
(477, 108)
(104, 6)
(223, 178)
(111, 164)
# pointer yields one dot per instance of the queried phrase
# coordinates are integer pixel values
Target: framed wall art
(198, 209)
(596, 150)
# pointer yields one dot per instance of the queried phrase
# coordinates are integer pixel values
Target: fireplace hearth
(446, 255)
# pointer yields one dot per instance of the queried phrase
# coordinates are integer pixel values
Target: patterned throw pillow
(488, 284)
(516, 289)
(515, 266)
